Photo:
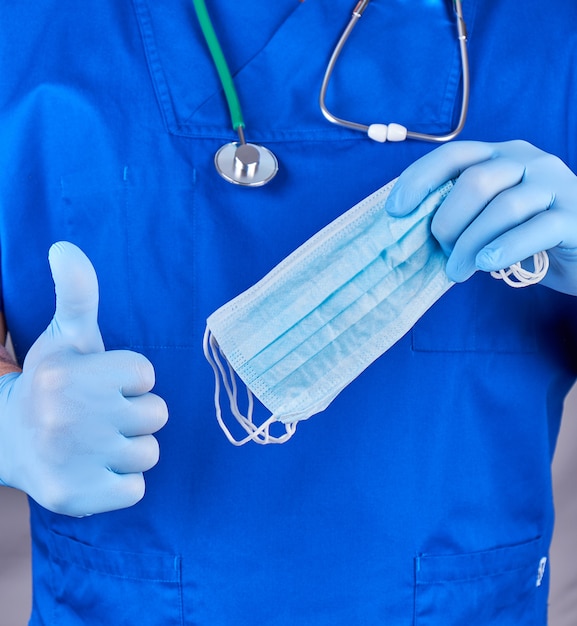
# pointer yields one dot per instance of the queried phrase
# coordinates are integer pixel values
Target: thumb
(75, 321)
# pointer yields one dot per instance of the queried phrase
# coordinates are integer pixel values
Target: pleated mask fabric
(305, 331)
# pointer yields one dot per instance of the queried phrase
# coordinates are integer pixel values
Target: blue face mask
(305, 331)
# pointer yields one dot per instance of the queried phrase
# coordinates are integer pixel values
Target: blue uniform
(422, 496)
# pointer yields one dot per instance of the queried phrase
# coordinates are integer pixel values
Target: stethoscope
(252, 165)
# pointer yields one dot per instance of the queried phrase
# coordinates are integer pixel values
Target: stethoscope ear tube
(397, 132)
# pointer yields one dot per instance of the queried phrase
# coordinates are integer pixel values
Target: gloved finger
(472, 192)
(140, 376)
(542, 232)
(507, 211)
(76, 286)
(145, 414)
(114, 491)
(432, 170)
(129, 372)
(127, 490)
(136, 455)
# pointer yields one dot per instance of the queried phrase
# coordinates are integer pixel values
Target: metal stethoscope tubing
(397, 132)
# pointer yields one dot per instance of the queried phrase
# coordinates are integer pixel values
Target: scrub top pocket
(480, 315)
(91, 585)
(505, 587)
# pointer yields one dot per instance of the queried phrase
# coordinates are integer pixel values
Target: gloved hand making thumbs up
(76, 425)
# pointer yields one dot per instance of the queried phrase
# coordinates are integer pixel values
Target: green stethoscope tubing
(238, 162)
(220, 64)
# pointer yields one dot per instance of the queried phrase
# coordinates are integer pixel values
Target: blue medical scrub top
(422, 495)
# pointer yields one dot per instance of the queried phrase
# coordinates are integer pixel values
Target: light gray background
(15, 597)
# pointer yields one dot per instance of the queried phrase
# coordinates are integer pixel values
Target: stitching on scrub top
(86, 568)
(68, 551)
(127, 247)
(154, 64)
(445, 581)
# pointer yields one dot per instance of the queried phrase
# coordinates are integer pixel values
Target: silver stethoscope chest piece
(246, 164)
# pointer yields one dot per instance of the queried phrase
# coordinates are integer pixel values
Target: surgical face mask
(303, 333)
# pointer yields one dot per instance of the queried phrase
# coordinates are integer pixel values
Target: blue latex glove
(76, 425)
(511, 200)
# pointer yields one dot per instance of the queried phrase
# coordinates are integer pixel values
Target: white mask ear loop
(525, 277)
(258, 434)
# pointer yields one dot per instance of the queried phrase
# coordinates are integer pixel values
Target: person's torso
(422, 495)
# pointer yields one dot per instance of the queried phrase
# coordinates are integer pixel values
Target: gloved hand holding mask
(302, 334)
(510, 201)
(76, 425)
